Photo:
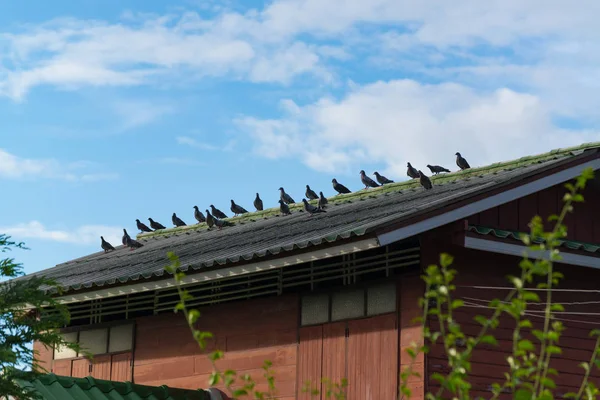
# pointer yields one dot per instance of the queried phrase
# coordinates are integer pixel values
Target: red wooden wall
(249, 333)
(476, 268)
(115, 367)
(583, 225)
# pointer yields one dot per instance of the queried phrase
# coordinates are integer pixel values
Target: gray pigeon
(284, 208)
(411, 171)
(106, 246)
(322, 200)
(133, 244)
(125, 236)
(285, 197)
(436, 169)
(338, 187)
(425, 181)
(210, 220)
(461, 162)
(258, 203)
(221, 223)
(155, 225)
(237, 209)
(198, 215)
(368, 182)
(311, 193)
(217, 213)
(177, 221)
(382, 179)
(310, 209)
(142, 227)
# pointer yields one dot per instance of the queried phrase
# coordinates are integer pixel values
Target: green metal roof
(397, 186)
(54, 387)
(504, 234)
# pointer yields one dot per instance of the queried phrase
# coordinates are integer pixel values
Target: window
(348, 304)
(98, 341)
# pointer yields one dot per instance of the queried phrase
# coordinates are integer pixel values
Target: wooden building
(333, 295)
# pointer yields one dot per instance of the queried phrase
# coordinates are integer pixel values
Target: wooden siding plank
(373, 358)
(121, 367)
(43, 356)
(80, 368)
(101, 367)
(547, 205)
(489, 217)
(528, 208)
(310, 356)
(508, 215)
(62, 367)
(334, 352)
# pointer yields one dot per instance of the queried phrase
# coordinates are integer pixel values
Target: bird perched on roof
(142, 227)
(382, 179)
(461, 162)
(125, 236)
(198, 215)
(322, 200)
(284, 208)
(210, 220)
(425, 181)
(411, 171)
(217, 213)
(156, 225)
(133, 244)
(436, 169)
(285, 197)
(221, 223)
(237, 209)
(310, 209)
(338, 187)
(258, 203)
(368, 182)
(106, 246)
(177, 221)
(311, 193)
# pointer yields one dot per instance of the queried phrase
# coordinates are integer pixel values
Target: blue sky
(117, 110)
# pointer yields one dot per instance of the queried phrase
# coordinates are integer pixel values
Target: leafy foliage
(24, 318)
(529, 373)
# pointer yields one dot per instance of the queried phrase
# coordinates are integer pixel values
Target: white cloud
(191, 142)
(136, 113)
(83, 235)
(15, 167)
(402, 120)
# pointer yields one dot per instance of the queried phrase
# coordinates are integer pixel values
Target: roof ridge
(392, 187)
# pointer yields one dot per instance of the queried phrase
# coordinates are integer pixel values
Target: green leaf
(457, 303)
(214, 379)
(446, 260)
(525, 345)
(549, 383)
(523, 394)
(525, 324)
(481, 319)
(553, 350)
(489, 339)
(557, 307)
(179, 306)
(193, 316)
(240, 392)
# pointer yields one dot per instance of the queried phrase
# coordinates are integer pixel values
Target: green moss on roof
(55, 387)
(394, 187)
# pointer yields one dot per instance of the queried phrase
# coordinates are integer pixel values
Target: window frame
(364, 286)
(104, 325)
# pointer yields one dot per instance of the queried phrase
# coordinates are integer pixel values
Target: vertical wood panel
(334, 352)
(62, 367)
(489, 217)
(121, 367)
(584, 224)
(80, 368)
(547, 205)
(101, 367)
(508, 215)
(310, 355)
(527, 210)
(43, 357)
(373, 358)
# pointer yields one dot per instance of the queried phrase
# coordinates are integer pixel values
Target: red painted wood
(334, 352)
(101, 367)
(508, 216)
(310, 356)
(528, 208)
(61, 367)
(80, 368)
(43, 356)
(121, 367)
